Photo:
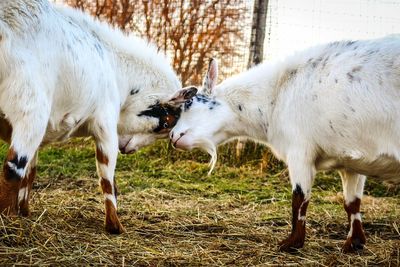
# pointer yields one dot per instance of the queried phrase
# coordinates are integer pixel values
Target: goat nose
(181, 134)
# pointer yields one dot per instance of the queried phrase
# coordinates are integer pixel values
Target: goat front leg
(106, 158)
(17, 174)
(26, 188)
(301, 174)
(353, 187)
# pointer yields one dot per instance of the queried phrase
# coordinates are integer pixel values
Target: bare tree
(190, 31)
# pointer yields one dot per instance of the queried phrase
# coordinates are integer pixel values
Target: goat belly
(384, 168)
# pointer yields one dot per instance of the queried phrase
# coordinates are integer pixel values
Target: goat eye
(165, 125)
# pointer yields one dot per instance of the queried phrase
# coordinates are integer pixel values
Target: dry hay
(171, 229)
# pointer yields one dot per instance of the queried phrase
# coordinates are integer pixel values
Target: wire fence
(294, 25)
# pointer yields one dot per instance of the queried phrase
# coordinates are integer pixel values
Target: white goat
(334, 106)
(64, 74)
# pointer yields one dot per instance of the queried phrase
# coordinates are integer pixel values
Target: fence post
(256, 52)
(258, 27)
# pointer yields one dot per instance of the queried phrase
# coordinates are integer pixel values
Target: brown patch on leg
(9, 187)
(101, 157)
(297, 237)
(5, 130)
(352, 208)
(27, 183)
(113, 226)
(8, 196)
(105, 186)
(357, 239)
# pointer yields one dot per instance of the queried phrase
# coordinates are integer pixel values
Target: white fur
(22, 194)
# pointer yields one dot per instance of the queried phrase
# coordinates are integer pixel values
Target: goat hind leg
(353, 187)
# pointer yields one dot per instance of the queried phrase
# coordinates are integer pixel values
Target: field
(176, 215)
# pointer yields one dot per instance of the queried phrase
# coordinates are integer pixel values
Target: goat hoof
(24, 210)
(291, 244)
(353, 245)
(115, 227)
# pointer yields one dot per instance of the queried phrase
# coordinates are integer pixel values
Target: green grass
(175, 214)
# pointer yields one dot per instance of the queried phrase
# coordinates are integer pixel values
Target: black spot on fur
(21, 162)
(350, 43)
(240, 107)
(167, 116)
(17, 163)
(214, 103)
(293, 73)
(134, 91)
(188, 104)
(331, 126)
(298, 191)
(202, 98)
(350, 77)
(316, 62)
(372, 51)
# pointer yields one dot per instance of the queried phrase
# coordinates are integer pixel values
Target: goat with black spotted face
(64, 74)
(332, 107)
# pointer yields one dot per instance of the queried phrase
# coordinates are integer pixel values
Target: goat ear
(183, 95)
(210, 81)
